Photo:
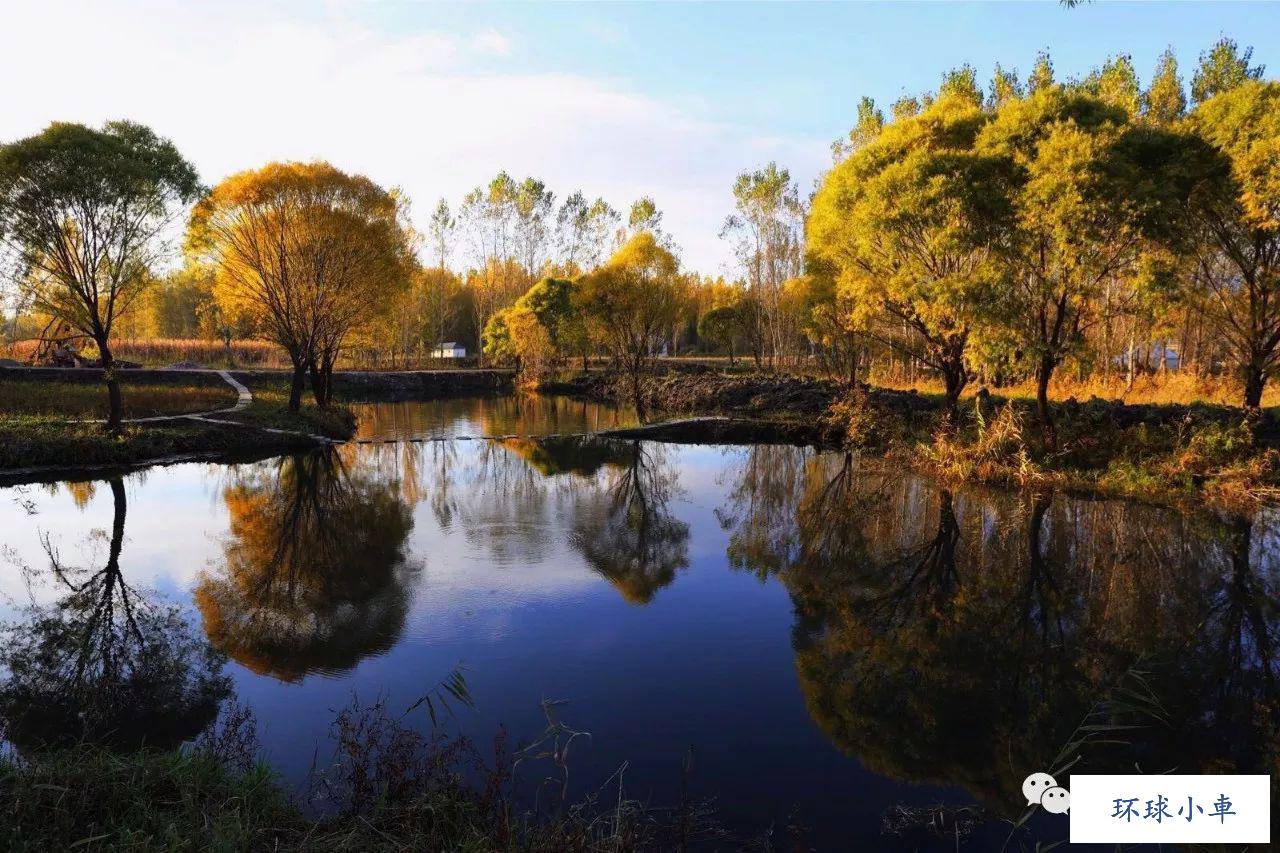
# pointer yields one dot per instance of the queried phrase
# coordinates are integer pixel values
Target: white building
(450, 349)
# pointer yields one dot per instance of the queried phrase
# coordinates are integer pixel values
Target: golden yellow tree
(632, 301)
(312, 254)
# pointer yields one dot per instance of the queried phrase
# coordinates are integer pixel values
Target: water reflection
(962, 638)
(106, 662)
(521, 414)
(315, 576)
(630, 534)
(953, 637)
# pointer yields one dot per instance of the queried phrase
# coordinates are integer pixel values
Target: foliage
(906, 224)
(1237, 249)
(310, 253)
(85, 212)
(632, 301)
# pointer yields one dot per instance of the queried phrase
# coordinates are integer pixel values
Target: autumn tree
(587, 231)
(315, 576)
(312, 253)
(1116, 83)
(767, 231)
(1004, 88)
(1237, 258)
(488, 220)
(1081, 193)
(825, 316)
(439, 284)
(85, 213)
(904, 225)
(1041, 76)
(1164, 101)
(631, 302)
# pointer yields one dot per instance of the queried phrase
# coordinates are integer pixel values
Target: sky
(670, 100)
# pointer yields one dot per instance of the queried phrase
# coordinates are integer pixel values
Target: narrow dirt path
(244, 397)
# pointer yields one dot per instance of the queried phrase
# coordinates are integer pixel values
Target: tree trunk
(954, 379)
(1254, 380)
(115, 402)
(1044, 372)
(1132, 352)
(295, 389)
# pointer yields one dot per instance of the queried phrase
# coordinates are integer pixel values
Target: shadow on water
(961, 638)
(315, 576)
(105, 663)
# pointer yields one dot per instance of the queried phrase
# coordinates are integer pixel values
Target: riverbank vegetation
(23, 395)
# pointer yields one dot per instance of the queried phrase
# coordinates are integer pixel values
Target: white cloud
(235, 86)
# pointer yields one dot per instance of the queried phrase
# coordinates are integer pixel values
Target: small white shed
(450, 349)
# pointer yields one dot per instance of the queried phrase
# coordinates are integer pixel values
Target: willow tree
(1087, 196)
(905, 224)
(631, 302)
(84, 212)
(1238, 214)
(310, 253)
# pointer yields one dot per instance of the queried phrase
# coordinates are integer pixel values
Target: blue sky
(620, 100)
(800, 67)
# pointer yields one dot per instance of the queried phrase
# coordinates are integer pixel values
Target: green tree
(1222, 68)
(870, 123)
(85, 212)
(1083, 192)
(721, 328)
(587, 230)
(1238, 210)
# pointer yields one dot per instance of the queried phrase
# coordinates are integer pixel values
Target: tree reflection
(107, 663)
(631, 537)
(315, 573)
(960, 638)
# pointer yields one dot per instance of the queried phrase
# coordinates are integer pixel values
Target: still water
(860, 654)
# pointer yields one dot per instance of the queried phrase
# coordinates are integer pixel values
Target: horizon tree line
(993, 235)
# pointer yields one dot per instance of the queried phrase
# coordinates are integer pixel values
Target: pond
(808, 640)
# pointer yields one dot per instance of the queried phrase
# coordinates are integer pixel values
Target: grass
(270, 409)
(39, 440)
(388, 786)
(88, 798)
(1169, 388)
(81, 399)
(38, 421)
(1162, 453)
(1199, 456)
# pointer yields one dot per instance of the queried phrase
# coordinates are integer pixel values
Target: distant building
(450, 349)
